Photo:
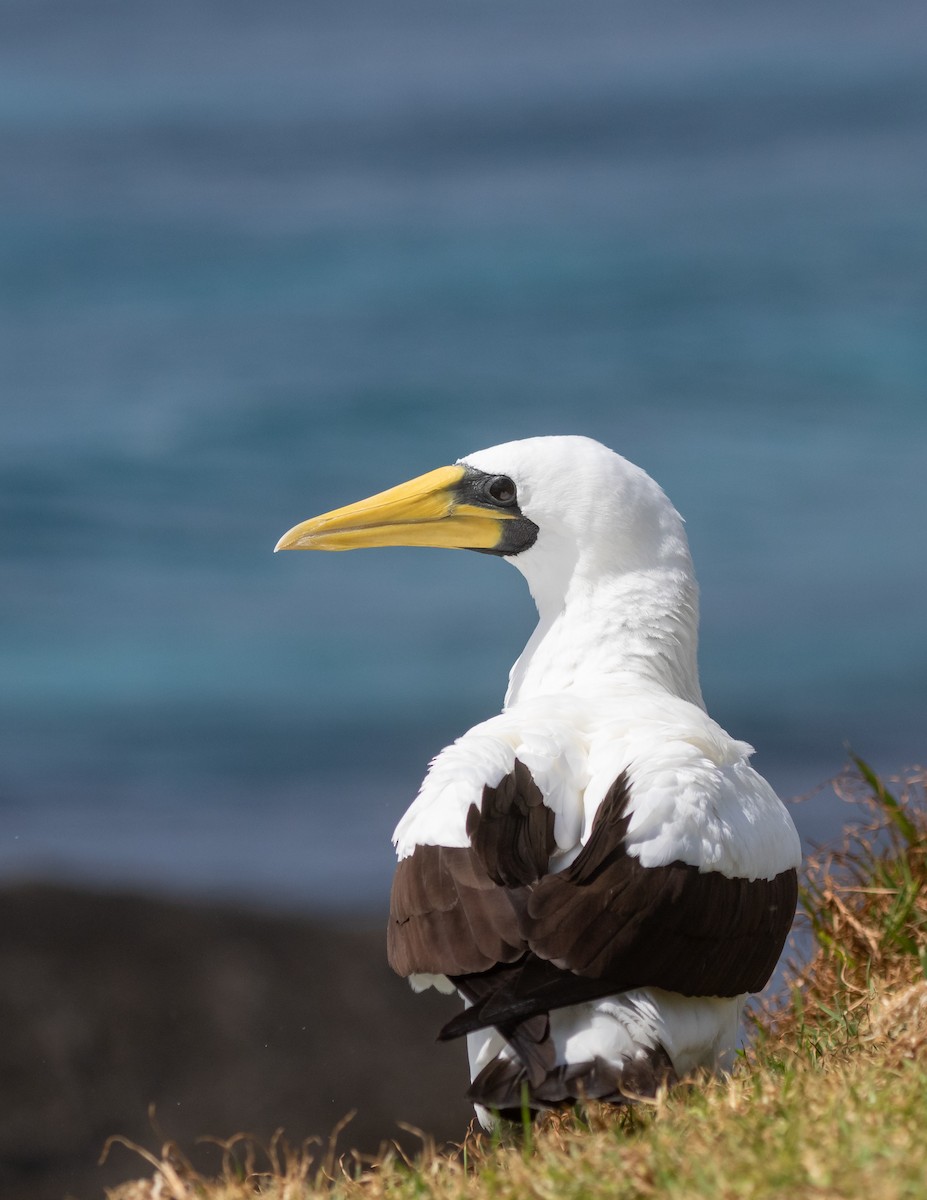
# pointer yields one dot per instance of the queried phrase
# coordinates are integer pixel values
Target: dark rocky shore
(224, 1021)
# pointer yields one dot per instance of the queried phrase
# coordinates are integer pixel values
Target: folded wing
(519, 942)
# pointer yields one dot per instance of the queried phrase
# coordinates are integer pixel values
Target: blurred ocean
(257, 260)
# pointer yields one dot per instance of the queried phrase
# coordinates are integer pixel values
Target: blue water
(260, 260)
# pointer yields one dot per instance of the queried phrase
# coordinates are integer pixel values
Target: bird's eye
(501, 489)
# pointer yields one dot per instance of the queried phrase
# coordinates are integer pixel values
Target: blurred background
(259, 260)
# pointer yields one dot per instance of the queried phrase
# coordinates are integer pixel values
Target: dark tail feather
(515, 992)
(501, 1083)
(529, 1038)
(468, 1021)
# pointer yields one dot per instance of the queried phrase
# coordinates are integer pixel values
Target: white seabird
(598, 871)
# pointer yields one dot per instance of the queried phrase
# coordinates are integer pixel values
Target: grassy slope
(830, 1102)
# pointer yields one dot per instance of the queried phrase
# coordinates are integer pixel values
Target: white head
(602, 548)
(597, 515)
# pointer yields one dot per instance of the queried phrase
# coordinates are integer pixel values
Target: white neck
(602, 631)
(609, 570)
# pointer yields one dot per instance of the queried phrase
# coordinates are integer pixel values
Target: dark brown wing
(606, 924)
(447, 917)
(459, 910)
(675, 927)
(512, 832)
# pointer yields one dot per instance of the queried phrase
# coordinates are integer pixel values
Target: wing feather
(604, 924)
(676, 927)
(457, 910)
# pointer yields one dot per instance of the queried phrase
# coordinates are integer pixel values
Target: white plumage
(604, 710)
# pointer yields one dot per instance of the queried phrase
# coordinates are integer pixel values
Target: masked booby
(597, 871)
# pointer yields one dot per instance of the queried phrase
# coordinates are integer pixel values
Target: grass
(829, 1102)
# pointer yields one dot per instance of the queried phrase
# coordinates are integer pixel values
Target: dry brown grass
(829, 1104)
(864, 904)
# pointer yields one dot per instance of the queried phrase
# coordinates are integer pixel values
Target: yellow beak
(427, 511)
